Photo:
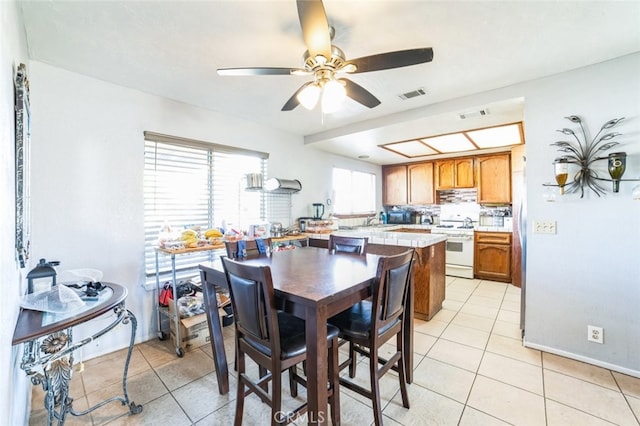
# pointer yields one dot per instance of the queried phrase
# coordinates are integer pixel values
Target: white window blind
(190, 183)
(354, 191)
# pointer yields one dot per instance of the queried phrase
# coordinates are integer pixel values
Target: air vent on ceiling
(473, 114)
(412, 94)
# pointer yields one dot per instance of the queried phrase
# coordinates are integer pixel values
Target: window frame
(197, 153)
(336, 187)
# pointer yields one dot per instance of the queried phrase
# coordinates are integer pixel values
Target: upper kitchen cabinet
(420, 187)
(494, 179)
(454, 173)
(394, 185)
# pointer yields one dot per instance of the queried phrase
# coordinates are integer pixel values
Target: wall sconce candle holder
(584, 154)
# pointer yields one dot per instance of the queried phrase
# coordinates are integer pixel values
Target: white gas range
(457, 222)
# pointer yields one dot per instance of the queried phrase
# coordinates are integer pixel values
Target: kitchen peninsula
(429, 264)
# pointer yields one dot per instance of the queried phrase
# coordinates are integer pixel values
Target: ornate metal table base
(50, 363)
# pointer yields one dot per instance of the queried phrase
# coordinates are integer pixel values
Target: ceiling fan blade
(315, 27)
(261, 71)
(397, 59)
(360, 94)
(293, 100)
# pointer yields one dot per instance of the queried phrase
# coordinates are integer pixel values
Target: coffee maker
(318, 210)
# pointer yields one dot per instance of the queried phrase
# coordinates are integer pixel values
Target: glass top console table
(48, 349)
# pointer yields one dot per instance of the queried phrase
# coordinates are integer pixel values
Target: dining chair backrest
(390, 288)
(248, 248)
(252, 298)
(341, 244)
(370, 324)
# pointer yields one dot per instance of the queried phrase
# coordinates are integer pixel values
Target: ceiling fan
(326, 62)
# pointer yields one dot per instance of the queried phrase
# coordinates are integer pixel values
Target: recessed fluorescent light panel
(493, 137)
(410, 149)
(469, 140)
(454, 142)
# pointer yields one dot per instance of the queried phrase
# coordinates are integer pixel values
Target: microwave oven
(398, 216)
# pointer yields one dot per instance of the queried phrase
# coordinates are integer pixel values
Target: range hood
(282, 186)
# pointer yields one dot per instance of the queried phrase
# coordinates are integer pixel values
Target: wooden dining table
(315, 284)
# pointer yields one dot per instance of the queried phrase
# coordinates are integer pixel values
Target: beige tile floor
(470, 369)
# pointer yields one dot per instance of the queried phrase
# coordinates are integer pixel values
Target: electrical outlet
(544, 226)
(595, 334)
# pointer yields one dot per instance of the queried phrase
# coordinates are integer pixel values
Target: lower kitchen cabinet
(492, 256)
(428, 276)
(429, 280)
(317, 242)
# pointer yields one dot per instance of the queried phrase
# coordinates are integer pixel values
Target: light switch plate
(544, 226)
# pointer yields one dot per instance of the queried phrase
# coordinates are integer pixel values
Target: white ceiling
(173, 48)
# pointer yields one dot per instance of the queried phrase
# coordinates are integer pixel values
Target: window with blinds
(190, 183)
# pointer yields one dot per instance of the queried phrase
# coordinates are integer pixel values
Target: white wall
(14, 387)
(588, 273)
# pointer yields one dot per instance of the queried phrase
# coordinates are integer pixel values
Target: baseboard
(596, 362)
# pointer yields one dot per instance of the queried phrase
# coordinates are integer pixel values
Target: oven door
(459, 250)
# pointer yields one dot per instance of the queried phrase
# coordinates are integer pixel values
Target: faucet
(370, 220)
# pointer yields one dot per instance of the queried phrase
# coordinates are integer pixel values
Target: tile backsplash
(456, 196)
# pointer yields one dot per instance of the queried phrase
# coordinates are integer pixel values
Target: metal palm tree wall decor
(584, 154)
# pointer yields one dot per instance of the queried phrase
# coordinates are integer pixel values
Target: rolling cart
(164, 311)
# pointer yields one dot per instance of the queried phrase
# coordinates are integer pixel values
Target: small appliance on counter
(318, 210)
(426, 219)
(399, 216)
(302, 223)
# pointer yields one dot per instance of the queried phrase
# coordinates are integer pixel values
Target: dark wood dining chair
(340, 244)
(275, 340)
(252, 248)
(370, 323)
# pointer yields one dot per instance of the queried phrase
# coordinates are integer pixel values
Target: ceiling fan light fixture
(308, 97)
(333, 93)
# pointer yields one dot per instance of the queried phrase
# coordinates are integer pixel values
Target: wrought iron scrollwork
(22, 148)
(584, 153)
(49, 362)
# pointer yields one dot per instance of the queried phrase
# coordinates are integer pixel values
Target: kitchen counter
(429, 261)
(384, 235)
